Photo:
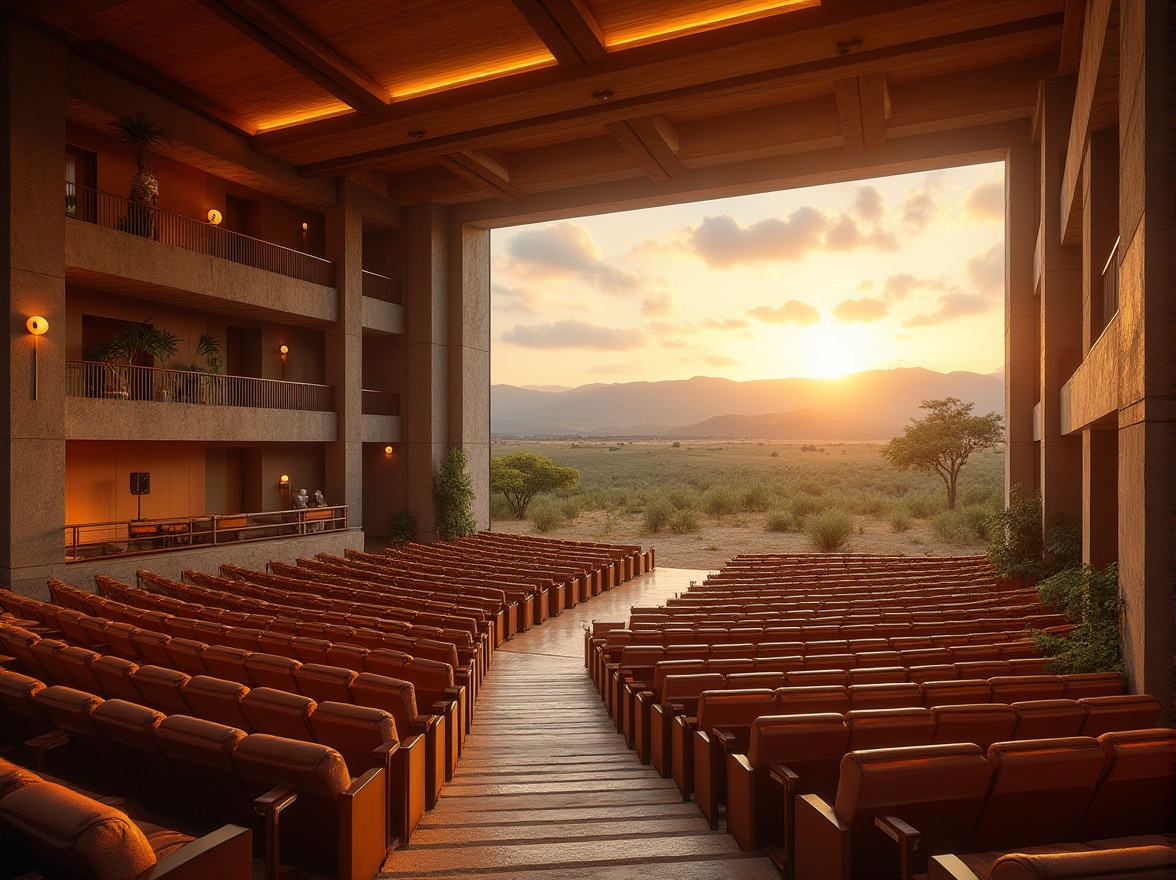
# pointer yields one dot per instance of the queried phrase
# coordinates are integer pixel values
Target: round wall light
(37, 325)
(214, 216)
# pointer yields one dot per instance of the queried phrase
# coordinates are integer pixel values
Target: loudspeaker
(140, 483)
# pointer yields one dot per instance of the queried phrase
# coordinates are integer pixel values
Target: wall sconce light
(38, 326)
(305, 226)
(284, 481)
(387, 450)
(283, 350)
(214, 216)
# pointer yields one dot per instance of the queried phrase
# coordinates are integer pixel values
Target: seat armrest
(275, 800)
(789, 781)
(45, 743)
(949, 867)
(907, 837)
(269, 806)
(823, 846)
(226, 854)
(725, 739)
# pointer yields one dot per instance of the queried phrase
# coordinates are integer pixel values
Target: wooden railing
(115, 212)
(120, 382)
(84, 541)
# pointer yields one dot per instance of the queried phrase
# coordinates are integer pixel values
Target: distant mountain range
(874, 405)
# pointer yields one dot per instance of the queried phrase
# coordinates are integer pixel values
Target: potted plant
(142, 134)
(142, 341)
(195, 388)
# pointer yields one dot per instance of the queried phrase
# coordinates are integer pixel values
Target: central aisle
(546, 788)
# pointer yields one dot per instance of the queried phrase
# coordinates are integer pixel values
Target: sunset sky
(897, 271)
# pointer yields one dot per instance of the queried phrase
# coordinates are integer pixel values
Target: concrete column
(1147, 381)
(425, 359)
(344, 354)
(1100, 497)
(1021, 386)
(469, 361)
(32, 278)
(1060, 287)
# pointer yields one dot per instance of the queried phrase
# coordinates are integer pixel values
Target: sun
(831, 352)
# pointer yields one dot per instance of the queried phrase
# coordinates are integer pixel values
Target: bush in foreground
(829, 531)
(780, 521)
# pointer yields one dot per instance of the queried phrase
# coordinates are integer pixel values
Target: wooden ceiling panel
(635, 22)
(414, 46)
(211, 58)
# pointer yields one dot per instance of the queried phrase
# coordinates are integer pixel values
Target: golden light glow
(830, 352)
(214, 216)
(301, 118)
(37, 325)
(284, 480)
(387, 450)
(466, 77)
(283, 350)
(733, 13)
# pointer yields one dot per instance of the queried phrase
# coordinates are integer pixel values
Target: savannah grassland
(701, 503)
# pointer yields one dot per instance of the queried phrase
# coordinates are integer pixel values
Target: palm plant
(142, 134)
(142, 340)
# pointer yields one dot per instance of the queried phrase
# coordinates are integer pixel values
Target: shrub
(500, 508)
(1015, 544)
(775, 454)
(453, 493)
(657, 516)
(954, 527)
(569, 507)
(829, 531)
(1091, 598)
(402, 527)
(755, 497)
(900, 521)
(546, 516)
(977, 517)
(683, 521)
(804, 504)
(719, 501)
(780, 521)
(923, 505)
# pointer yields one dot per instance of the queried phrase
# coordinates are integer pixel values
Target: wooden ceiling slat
(875, 107)
(484, 172)
(628, 138)
(270, 27)
(567, 28)
(849, 110)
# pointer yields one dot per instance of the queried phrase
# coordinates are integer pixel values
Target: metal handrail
(114, 212)
(86, 541)
(123, 382)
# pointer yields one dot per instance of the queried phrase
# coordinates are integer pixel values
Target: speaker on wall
(140, 483)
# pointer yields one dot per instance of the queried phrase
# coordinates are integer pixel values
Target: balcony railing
(92, 379)
(380, 403)
(380, 287)
(1110, 286)
(115, 212)
(84, 541)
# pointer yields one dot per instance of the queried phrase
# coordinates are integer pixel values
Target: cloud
(868, 203)
(792, 312)
(566, 250)
(514, 299)
(723, 241)
(985, 201)
(574, 334)
(951, 306)
(867, 310)
(899, 287)
(727, 324)
(844, 235)
(658, 304)
(918, 209)
(720, 360)
(986, 270)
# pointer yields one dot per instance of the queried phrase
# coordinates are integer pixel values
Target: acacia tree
(521, 476)
(941, 441)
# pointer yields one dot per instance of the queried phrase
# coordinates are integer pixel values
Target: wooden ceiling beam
(600, 113)
(652, 142)
(567, 28)
(485, 171)
(849, 110)
(1070, 53)
(277, 32)
(875, 107)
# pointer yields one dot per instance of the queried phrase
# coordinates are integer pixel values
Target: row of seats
(895, 808)
(682, 696)
(45, 824)
(331, 817)
(171, 691)
(790, 755)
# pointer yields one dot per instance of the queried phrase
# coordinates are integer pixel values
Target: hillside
(872, 405)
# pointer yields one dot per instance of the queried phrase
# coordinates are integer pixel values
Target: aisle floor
(546, 788)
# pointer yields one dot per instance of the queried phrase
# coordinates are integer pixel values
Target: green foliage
(955, 527)
(804, 504)
(546, 516)
(684, 521)
(142, 340)
(900, 521)
(1064, 545)
(780, 521)
(208, 347)
(719, 501)
(402, 527)
(141, 133)
(829, 531)
(755, 497)
(521, 476)
(657, 516)
(942, 441)
(453, 493)
(1091, 599)
(1015, 545)
(923, 505)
